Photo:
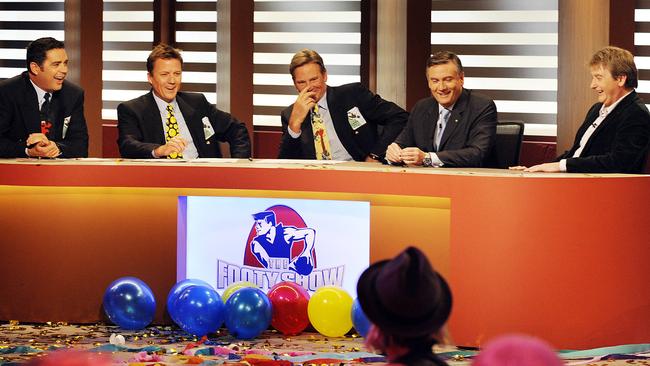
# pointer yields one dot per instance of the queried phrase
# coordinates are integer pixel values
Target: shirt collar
(162, 105)
(604, 111)
(40, 93)
(322, 102)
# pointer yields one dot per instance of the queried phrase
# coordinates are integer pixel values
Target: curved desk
(560, 256)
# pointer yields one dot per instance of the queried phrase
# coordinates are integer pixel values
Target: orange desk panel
(560, 256)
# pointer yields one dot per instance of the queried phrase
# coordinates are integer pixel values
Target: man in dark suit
(168, 123)
(615, 135)
(335, 123)
(455, 127)
(41, 114)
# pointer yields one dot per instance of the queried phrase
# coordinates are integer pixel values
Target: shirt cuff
(293, 134)
(563, 165)
(435, 160)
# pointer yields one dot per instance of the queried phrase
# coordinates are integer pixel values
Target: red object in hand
(289, 301)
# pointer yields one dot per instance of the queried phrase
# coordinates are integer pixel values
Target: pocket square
(208, 131)
(66, 123)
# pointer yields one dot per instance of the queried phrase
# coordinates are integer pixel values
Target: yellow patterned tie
(172, 130)
(321, 141)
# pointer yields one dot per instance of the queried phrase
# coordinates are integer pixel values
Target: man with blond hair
(335, 123)
(615, 134)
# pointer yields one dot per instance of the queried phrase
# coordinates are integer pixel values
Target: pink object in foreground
(517, 350)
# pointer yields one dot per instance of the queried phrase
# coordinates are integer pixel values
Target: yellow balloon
(234, 287)
(330, 311)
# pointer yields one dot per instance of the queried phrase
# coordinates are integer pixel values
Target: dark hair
(303, 57)
(443, 57)
(268, 216)
(37, 50)
(165, 52)
(619, 62)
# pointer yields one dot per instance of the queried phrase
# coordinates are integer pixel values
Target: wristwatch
(427, 160)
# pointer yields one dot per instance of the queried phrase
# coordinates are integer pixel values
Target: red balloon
(289, 301)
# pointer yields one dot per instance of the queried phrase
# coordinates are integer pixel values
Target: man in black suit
(460, 134)
(168, 123)
(41, 114)
(615, 135)
(335, 123)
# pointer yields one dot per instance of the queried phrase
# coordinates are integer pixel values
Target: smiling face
(50, 75)
(608, 88)
(445, 83)
(310, 76)
(165, 78)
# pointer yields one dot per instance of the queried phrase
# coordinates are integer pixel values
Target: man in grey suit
(168, 123)
(454, 128)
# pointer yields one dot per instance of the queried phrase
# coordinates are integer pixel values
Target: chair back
(507, 146)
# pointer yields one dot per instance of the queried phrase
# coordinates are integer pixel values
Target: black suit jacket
(468, 137)
(618, 145)
(19, 117)
(359, 143)
(141, 130)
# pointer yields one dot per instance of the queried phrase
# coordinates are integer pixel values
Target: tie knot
(315, 108)
(46, 97)
(445, 113)
(170, 108)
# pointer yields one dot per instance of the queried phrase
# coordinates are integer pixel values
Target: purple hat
(519, 350)
(404, 296)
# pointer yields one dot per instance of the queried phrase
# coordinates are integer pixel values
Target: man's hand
(394, 153)
(545, 168)
(303, 104)
(176, 144)
(412, 156)
(37, 139)
(39, 146)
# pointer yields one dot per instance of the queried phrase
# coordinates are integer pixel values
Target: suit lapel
(340, 119)
(611, 118)
(454, 118)
(56, 115)
(30, 112)
(153, 120)
(194, 124)
(307, 137)
(429, 129)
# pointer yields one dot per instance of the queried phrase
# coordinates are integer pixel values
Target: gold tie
(172, 130)
(321, 141)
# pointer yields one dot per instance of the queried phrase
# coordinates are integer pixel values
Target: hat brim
(376, 313)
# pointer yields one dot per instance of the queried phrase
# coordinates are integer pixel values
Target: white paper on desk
(215, 160)
(298, 161)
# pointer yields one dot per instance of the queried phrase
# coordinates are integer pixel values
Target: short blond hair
(303, 57)
(619, 62)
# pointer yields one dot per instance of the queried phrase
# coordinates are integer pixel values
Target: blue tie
(440, 126)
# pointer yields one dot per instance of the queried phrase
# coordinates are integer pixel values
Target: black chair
(507, 147)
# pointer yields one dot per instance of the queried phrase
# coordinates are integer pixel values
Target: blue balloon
(248, 313)
(176, 290)
(199, 310)
(359, 319)
(129, 303)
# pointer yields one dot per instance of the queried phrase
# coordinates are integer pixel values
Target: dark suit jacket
(618, 145)
(19, 117)
(468, 137)
(141, 130)
(360, 143)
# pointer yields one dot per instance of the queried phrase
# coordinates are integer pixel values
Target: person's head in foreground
(408, 303)
(517, 350)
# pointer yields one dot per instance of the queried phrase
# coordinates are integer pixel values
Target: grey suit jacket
(141, 130)
(468, 137)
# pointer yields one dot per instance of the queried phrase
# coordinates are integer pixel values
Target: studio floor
(166, 345)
